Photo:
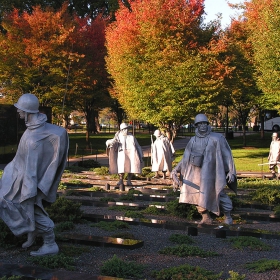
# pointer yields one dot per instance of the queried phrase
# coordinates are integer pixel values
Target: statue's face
(202, 127)
(21, 113)
(124, 131)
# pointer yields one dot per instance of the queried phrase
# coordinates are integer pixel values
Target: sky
(213, 7)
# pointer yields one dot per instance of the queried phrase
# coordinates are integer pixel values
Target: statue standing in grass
(31, 179)
(274, 155)
(162, 154)
(206, 168)
(125, 155)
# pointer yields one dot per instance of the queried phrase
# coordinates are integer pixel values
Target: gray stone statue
(31, 179)
(274, 155)
(206, 168)
(162, 154)
(125, 155)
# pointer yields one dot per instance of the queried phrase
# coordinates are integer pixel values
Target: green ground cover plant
(107, 199)
(276, 210)
(133, 214)
(180, 239)
(236, 276)
(127, 197)
(76, 182)
(111, 226)
(96, 189)
(57, 261)
(184, 272)
(62, 186)
(268, 195)
(182, 210)
(116, 267)
(185, 250)
(68, 174)
(103, 170)
(147, 172)
(250, 242)
(255, 183)
(65, 210)
(64, 226)
(263, 265)
(8, 239)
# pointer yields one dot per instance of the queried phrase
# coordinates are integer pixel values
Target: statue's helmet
(123, 126)
(28, 103)
(157, 133)
(200, 118)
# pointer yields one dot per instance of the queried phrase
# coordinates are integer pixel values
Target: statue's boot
(228, 218)
(31, 236)
(49, 247)
(129, 177)
(120, 183)
(156, 175)
(206, 219)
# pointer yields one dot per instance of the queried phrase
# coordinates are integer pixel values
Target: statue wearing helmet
(274, 155)
(125, 155)
(200, 118)
(32, 177)
(27, 104)
(162, 154)
(207, 167)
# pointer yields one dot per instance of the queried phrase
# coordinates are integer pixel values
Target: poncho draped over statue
(203, 184)
(162, 152)
(274, 152)
(33, 175)
(125, 154)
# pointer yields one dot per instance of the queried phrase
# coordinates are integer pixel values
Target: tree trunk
(244, 134)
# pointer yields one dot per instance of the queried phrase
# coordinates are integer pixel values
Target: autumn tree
(263, 17)
(238, 88)
(56, 56)
(36, 51)
(89, 75)
(157, 60)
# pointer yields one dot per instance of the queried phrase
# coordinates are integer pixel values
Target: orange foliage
(254, 10)
(173, 17)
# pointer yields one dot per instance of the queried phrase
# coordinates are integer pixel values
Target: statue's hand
(176, 181)
(109, 143)
(230, 177)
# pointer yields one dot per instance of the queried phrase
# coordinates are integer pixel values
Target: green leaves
(156, 61)
(263, 23)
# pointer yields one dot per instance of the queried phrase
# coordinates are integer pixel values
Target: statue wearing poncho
(206, 168)
(33, 176)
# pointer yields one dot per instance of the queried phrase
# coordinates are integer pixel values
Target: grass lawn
(245, 158)
(256, 152)
(97, 143)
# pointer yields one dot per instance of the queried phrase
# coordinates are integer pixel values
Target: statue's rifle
(152, 145)
(277, 162)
